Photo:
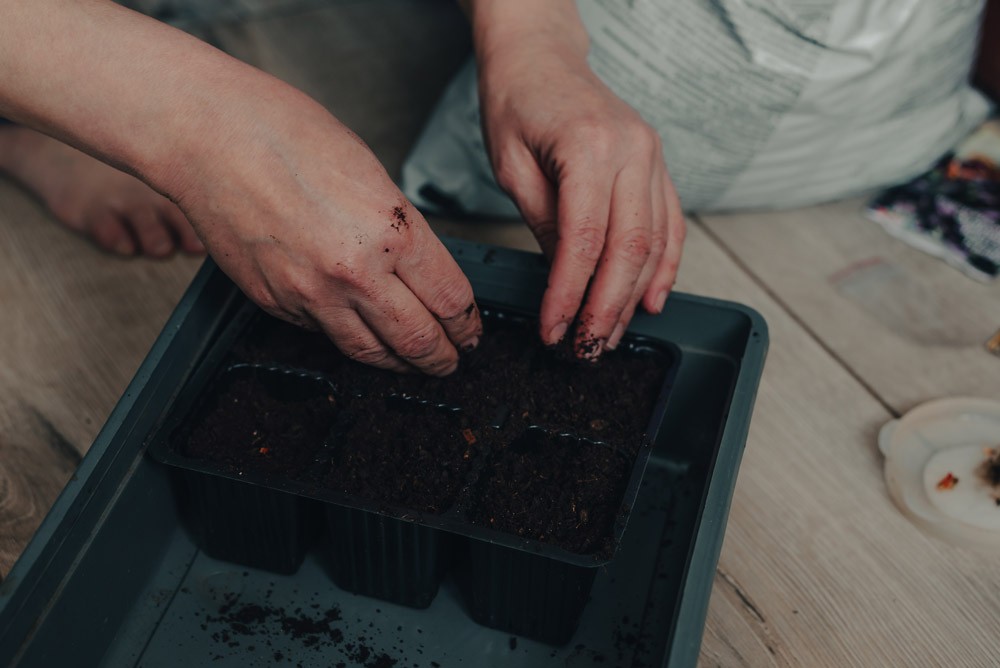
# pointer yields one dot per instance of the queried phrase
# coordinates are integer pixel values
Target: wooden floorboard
(909, 326)
(77, 323)
(818, 568)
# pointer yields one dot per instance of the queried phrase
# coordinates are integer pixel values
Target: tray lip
(20, 588)
(684, 639)
(160, 448)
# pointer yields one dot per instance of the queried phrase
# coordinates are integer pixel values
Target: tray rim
(29, 589)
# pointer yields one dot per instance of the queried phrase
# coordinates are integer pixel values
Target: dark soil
(249, 428)
(404, 454)
(503, 458)
(250, 625)
(555, 489)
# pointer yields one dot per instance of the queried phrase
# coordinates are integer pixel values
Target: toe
(109, 233)
(154, 238)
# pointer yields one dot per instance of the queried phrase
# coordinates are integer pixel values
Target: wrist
(519, 26)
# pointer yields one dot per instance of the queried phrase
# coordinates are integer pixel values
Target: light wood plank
(77, 323)
(818, 567)
(911, 327)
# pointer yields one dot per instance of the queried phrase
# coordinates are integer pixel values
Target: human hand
(310, 226)
(585, 170)
(291, 204)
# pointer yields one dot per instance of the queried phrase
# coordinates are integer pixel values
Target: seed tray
(373, 550)
(113, 579)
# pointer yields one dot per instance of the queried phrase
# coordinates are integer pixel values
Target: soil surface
(524, 439)
(246, 426)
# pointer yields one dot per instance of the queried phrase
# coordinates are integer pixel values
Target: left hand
(587, 174)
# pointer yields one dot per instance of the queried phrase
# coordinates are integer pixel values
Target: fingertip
(588, 346)
(469, 345)
(446, 370)
(654, 300)
(616, 337)
(555, 334)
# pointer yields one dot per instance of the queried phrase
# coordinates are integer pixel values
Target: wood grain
(76, 324)
(818, 567)
(910, 327)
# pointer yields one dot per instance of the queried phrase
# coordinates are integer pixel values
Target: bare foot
(118, 211)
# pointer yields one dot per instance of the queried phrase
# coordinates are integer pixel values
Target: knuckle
(588, 241)
(644, 138)
(419, 343)
(657, 243)
(263, 297)
(635, 247)
(342, 271)
(452, 300)
(595, 135)
(300, 288)
(373, 354)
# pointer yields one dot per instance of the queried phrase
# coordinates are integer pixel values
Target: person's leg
(120, 213)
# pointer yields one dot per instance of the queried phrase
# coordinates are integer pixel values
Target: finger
(400, 320)
(657, 245)
(666, 272)
(110, 233)
(181, 228)
(149, 230)
(357, 341)
(444, 292)
(520, 177)
(583, 206)
(625, 256)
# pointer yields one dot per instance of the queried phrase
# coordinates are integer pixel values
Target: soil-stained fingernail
(661, 299)
(470, 345)
(616, 337)
(557, 333)
(590, 347)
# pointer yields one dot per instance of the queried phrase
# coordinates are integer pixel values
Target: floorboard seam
(759, 282)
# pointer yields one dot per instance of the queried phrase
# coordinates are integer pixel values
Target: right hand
(302, 216)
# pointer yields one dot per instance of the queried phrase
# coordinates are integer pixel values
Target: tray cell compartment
(234, 517)
(247, 524)
(386, 558)
(524, 593)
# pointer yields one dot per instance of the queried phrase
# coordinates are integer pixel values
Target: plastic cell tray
(397, 554)
(114, 578)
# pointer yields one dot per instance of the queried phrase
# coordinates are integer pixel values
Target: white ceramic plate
(931, 441)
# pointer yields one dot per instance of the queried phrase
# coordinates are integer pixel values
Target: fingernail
(557, 333)
(616, 337)
(661, 299)
(590, 348)
(470, 345)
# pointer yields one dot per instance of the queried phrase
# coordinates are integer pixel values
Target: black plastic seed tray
(113, 578)
(383, 547)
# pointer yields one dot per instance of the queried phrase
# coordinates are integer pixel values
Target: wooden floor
(818, 567)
